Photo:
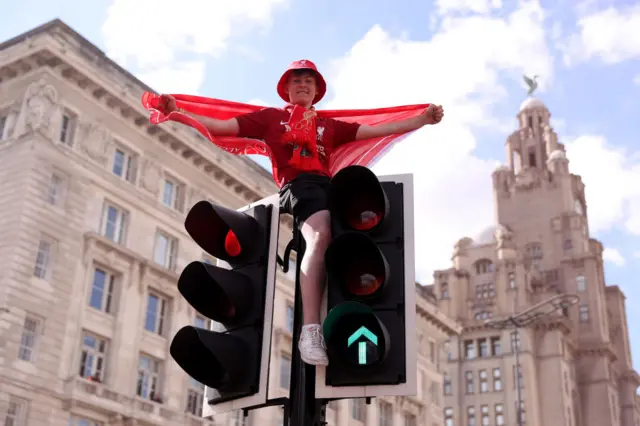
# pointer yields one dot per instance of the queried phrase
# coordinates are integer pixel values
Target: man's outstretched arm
(432, 115)
(216, 127)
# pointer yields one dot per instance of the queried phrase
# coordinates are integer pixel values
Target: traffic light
(369, 326)
(232, 358)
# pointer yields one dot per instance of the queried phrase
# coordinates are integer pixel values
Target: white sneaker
(313, 349)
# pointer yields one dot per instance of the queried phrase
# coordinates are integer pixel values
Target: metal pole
(303, 406)
(516, 338)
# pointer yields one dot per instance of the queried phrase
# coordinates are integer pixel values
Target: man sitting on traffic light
(301, 142)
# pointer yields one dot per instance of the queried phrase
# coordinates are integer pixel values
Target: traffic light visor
(358, 200)
(209, 357)
(355, 262)
(217, 293)
(223, 233)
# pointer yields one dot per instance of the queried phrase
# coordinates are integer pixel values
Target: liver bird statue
(532, 83)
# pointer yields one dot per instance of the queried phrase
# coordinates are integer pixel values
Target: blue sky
(468, 55)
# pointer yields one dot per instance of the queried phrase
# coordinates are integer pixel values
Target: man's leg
(316, 231)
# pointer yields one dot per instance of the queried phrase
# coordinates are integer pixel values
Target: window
(495, 346)
(385, 414)
(471, 416)
(484, 378)
(289, 318)
(357, 409)
(447, 349)
(202, 322)
(499, 411)
(581, 283)
(484, 410)
(584, 313)
(148, 385)
(448, 416)
(485, 291)
(517, 379)
(446, 384)
(444, 290)
(172, 194)
(532, 158)
(469, 349)
(515, 341)
(29, 338)
(497, 379)
(469, 381)
(156, 316)
(3, 125)
(55, 190)
(512, 280)
(82, 421)
(238, 418)
(43, 259)
(166, 250)
(16, 412)
(114, 223)
(102, 289)
(530, 122)
(484, 315)
(432, 351)
(520, 414)
(409, 419)
(533, 251)
(123, 165)
(484, 348)
(285, 371)
(568, 244)
(484, 266)
(67, 128)
(195, 396)
(93, 358)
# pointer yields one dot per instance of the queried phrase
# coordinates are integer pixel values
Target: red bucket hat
(303, 64)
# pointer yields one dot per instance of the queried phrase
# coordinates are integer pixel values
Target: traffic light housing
(369, 312)
(232, 358)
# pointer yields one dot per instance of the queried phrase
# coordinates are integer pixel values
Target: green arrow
(362, 331)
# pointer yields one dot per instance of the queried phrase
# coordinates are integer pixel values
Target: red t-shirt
(269, 125)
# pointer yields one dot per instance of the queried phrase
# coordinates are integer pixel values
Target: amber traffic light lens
(363, 278)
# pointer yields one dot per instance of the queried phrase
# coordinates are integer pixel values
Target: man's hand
(433, 114)
(167, 104)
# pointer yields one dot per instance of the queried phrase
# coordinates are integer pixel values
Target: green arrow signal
(362, 346)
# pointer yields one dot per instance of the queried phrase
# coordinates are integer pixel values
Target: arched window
(484, 266)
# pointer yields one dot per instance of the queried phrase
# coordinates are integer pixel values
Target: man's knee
(316, 230)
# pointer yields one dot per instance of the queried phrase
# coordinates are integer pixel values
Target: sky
(468, 55)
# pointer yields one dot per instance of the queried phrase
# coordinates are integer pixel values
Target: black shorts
(305, 195)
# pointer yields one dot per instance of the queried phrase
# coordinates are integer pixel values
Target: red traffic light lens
(232, 245)
(363, 278)
(356, 264)
(362, 216)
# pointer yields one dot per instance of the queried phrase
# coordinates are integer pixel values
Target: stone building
(575, 366)
(92, 242)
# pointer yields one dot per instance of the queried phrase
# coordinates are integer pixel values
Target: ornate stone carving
(504, 237)
(39, 106)
(95, 141)
(150, 176)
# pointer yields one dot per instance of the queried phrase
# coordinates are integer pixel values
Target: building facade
(575, 365)
(92, 243)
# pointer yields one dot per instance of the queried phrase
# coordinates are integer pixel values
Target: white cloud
(636, 254)
(180, 77)
(152, 36)
(475, 6)
(636, 80)
(461, 67)
(612, 255)
(612, 35)
(612, 182)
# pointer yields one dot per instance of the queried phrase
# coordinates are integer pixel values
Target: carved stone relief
(95, 141)
(39, 109)
(151, 174)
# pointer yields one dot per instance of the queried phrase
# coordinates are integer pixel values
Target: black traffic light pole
(303, 408)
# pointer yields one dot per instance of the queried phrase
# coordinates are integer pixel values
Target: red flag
(363, 152)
